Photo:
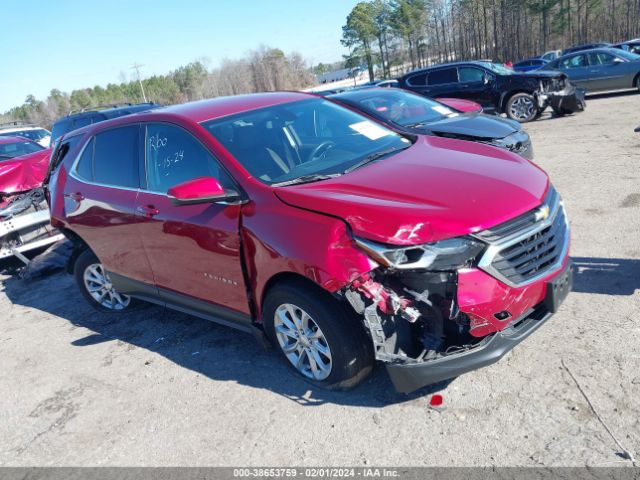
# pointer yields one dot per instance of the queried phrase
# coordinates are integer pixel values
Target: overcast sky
(70, 44)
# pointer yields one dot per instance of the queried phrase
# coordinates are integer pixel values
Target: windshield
(402, 108)
(497, 68)
(17, 149)
(628, 55)
(34, 134)
(303, 140)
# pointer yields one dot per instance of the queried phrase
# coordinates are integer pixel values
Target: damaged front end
(561, 95)
(25, 225)
(439, 310)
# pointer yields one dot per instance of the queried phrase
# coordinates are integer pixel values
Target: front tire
(522, 107)
(95, 285)
(317, 336)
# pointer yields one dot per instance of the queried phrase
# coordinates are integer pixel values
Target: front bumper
(407, 377)
(26, 232)
(570, 100)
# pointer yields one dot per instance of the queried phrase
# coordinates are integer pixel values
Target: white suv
(31, 132)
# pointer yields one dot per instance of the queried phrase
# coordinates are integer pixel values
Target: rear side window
(600, 58)
(441, 77)
(84, 168)
(111, 158)
(418, 80)
(173, 156)
(115, 157)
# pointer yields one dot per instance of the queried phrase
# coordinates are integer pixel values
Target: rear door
(577, 69)
(443, 82)
(194, 250)
(100, 197)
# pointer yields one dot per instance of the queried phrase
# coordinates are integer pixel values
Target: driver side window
(173, 156)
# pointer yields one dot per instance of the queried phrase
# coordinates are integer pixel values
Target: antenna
(136, 67)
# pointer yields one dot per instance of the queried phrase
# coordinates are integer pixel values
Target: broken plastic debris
(436, 403)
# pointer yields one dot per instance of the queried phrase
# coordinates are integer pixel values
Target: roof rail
(106, 106)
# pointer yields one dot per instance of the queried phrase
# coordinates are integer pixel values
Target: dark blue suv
(82, 118)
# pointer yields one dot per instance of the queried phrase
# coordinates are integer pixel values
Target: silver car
(600, 69)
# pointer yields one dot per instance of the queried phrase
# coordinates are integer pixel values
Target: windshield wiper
(313, 177)
(373, 157)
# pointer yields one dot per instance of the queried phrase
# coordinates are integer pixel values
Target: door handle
(149, 211)
(76, 196)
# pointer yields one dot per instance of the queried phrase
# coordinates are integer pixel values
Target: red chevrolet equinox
(287, 215)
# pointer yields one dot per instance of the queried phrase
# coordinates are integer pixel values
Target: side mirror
(618, 60)
(487, 79)
(201, 190)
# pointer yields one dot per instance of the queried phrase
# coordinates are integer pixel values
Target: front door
(474, 85)
(194, 250)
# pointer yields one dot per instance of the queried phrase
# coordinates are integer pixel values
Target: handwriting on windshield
(156, 142)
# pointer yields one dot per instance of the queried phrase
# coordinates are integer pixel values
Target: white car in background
(31, 132)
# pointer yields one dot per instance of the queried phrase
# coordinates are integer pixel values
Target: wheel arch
(507, 95)
(292, 278)
(79, 246)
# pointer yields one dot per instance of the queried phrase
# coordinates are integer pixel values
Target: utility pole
(136, 67)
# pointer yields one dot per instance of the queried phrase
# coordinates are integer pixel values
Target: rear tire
(320, 338)
(522, 108)
(95, 285)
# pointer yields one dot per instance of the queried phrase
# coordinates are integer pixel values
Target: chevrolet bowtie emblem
(542, 213)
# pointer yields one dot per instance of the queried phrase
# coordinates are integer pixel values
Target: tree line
(393, 35)
(263, 69)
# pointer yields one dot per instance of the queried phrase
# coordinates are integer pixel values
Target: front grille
(529, 246)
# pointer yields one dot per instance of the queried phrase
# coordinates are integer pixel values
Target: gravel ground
(156, 387)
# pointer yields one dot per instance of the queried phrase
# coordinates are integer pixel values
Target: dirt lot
(160, 388)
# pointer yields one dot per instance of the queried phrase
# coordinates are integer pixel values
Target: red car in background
(461, 104)
(342, 241)
(23, 165)
(24, 216)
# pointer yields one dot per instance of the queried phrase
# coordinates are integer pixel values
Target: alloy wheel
(522, 108)
(302, 341)
(99, 286)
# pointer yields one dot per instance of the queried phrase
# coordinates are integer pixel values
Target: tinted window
(115, 160)
(174, 156)
(60, 128)
(600, 58)
(81, 122)
(84, 168)
(470, 74)
(574, 62)
(418, 80)
(446, 75)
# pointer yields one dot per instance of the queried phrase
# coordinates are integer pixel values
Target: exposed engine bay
(25, 225)
(412, 315)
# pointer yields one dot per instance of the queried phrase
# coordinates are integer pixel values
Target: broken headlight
(448, 254)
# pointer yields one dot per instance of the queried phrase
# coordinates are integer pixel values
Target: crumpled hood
(476, 125)
(24, 173)
(439, 188)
